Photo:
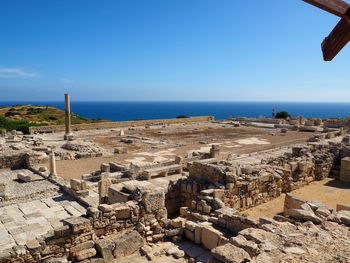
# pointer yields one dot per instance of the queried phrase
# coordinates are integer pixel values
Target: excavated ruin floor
(328, 191)
(158, 143)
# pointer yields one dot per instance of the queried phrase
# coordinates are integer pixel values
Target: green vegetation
(22, 126)
(20, 117)
(282, 115)
(181, 117)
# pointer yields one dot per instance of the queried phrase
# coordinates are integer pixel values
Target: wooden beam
(336, 40)
(336, 7)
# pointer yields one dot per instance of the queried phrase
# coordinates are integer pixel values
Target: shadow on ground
(338, 184)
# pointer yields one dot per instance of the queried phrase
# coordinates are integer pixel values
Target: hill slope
(45, 115)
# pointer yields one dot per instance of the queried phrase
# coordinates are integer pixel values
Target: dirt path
(328, 191)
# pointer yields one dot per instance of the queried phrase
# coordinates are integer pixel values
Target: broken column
(52, 164)
(103, 186)
(68, 133)
(3, 132)
(214, 151)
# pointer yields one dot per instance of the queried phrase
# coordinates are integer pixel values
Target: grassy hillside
(21, 117)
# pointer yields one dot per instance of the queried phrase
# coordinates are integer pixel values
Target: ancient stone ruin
(185, 209)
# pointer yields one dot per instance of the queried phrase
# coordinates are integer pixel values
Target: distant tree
(282, 115)
(181, 117)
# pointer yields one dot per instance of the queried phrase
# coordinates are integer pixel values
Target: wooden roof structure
(340, 35)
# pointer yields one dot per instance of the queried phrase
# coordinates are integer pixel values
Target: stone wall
(245, 186)
(21, 160)
(105, 125)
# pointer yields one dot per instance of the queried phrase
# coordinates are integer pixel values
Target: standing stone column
(52, 164)
(67, 116)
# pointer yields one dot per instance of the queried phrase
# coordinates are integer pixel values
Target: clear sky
(168, 50)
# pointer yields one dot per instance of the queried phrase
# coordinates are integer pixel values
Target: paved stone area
(18, 190)
(29, 220)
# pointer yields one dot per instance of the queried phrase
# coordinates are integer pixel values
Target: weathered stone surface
(78, 224)
(291, 202)
(343, 216)
(33, 244)
(294, 250)
(86, 253)
(230, 254)
(24, 177)
(75, 184)
(103, 186)
(127, 244)
(248, 246)
(105, 247)
(83, 246)
(345, 170)
(210, 237)
(304, 215)
(343, 207)
(154, 200)
(256, 235)
(122, 212)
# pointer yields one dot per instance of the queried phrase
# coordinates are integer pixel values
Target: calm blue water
(124, 111)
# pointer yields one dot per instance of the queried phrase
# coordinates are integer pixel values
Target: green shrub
(32, 111)
(181, 117)
(10, 125)
(282, 115)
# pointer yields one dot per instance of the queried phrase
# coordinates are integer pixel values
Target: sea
(126, 111)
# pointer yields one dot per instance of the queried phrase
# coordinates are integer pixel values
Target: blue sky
(168, 50)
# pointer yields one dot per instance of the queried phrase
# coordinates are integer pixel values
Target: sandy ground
(244, 140)
(328, 191)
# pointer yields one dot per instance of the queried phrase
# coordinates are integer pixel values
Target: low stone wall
(21, 160)
(246, 186)
(105, 125)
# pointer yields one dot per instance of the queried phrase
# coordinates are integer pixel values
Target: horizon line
(195, 101)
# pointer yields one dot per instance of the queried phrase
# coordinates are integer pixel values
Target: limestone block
(105, 167)
(78, 224)
(185, 212)
(345, 170)
(230, 254)
(198, 234)
(116, 196)
(174, 232)
(127, 244)
(122, 212)
(103, 186)
(178, 222)
(247, 245)
(304, 215)
(291, 202)
(256, 235)
(154, 200)
(33, 245)
(23, 177)
(210, 237)
(86, 253)
(219, 193)
(82, 246)
(189, 234)
(104, 247)
(75, 184)
(62, 231)
(343, 216)
(191, 226)
(343, 207)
